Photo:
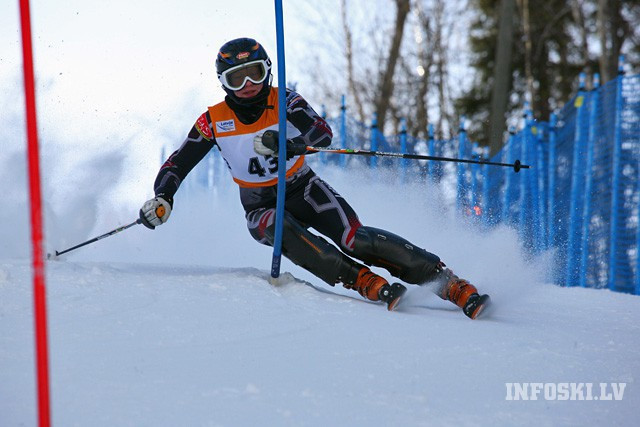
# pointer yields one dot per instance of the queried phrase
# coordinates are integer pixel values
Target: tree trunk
(425, 60)
(528, 51)
(440, 65)
(501, 76)
(385, 86)
(354, 90)
(612, 31)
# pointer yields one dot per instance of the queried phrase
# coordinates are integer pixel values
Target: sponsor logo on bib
(226, 126)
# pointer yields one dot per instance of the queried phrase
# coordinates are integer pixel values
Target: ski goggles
(236, 77)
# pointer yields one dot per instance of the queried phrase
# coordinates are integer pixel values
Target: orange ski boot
(376, 288)
(463, 294)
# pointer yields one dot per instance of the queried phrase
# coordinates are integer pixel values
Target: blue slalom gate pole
(577, 170)
(594, 101)
(431, 168)
(282, 142)
(461, 184)
(403, 148)
(373, 161)
(615, 182)
(343, 130)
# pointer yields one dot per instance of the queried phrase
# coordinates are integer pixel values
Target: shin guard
(402, 259)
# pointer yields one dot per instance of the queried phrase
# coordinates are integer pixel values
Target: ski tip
(481, 309)
(392, 306)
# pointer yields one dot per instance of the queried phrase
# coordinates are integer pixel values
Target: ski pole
(95, 239)
(517, 165)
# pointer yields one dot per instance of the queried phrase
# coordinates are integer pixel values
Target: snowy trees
(554, 40)
(397, 60)
(431, 61)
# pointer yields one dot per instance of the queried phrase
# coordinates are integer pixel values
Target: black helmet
(240, 60)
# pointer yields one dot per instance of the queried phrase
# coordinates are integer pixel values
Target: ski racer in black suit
(244, 129)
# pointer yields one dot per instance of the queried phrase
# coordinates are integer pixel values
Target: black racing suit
(310, 202)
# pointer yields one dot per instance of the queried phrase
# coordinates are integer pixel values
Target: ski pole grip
(160, 211)
(270, 140)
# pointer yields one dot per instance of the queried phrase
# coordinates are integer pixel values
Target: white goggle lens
(235, 78)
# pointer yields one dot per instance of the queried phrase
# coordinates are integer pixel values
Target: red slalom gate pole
(39, 290)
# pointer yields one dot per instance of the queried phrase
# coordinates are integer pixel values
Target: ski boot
(376, 288)
(463, 294)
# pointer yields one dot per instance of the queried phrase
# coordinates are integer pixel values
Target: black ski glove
(268, 144)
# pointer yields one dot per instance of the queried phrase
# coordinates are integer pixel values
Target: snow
(180, 326)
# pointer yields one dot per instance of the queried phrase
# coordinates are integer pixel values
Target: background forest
(433, 61)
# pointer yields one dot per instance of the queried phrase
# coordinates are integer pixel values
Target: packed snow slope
(180, 326)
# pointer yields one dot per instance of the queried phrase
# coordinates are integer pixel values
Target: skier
(244, 129)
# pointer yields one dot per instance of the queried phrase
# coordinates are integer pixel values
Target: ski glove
(155, 212)
(266, 144)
